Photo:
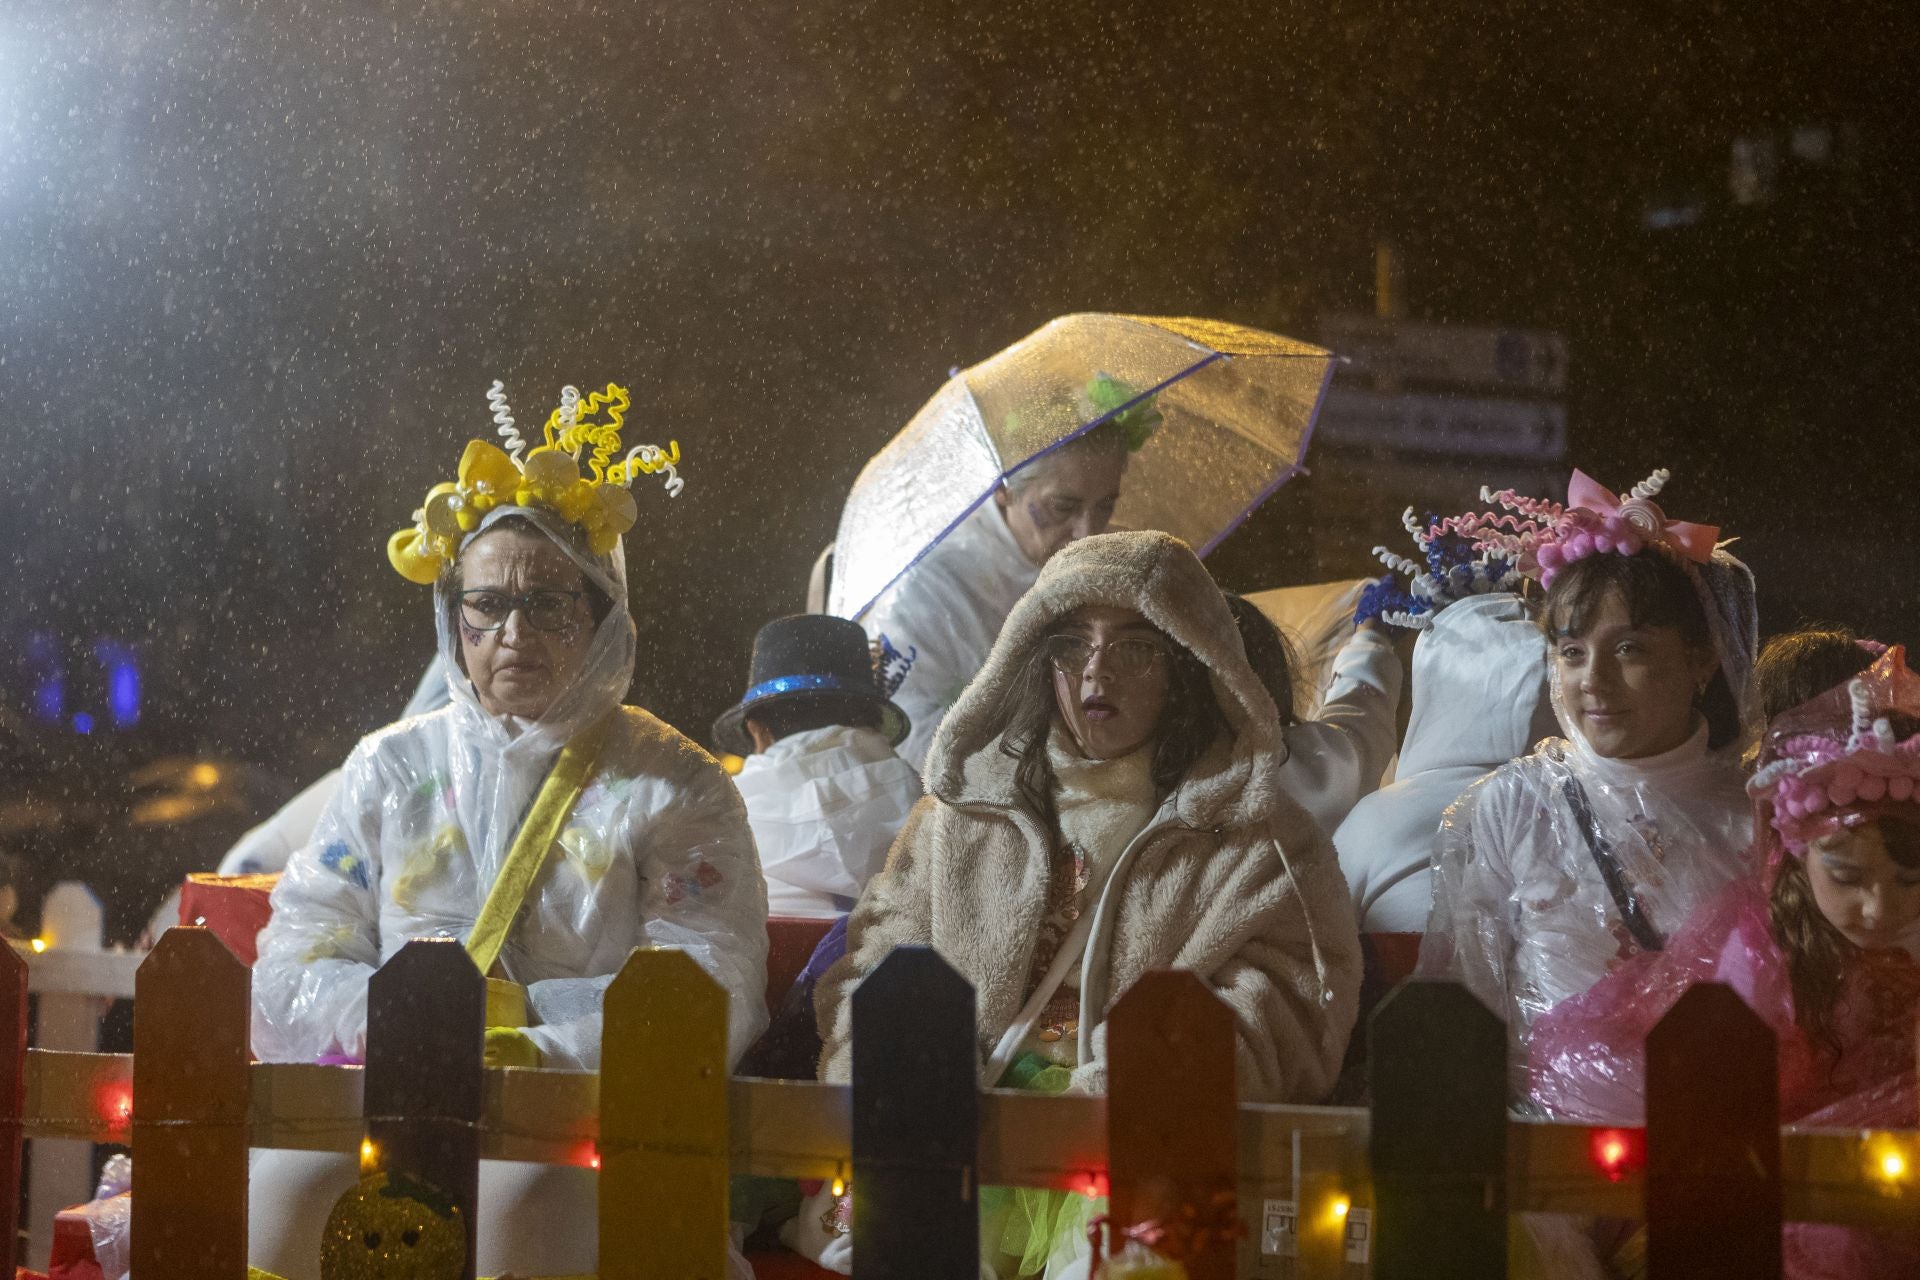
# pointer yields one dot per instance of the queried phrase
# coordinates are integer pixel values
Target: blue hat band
(808, 684)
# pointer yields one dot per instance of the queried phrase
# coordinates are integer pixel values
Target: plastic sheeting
(656, 852)
(1237, 408)
(1588, 1062)
(1522, 913)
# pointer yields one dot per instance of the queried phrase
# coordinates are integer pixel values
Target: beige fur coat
(1231, 879)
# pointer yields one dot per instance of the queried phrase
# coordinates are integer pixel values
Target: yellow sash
(529, 853)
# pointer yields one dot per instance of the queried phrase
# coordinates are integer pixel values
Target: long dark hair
(1023, 719)
(1816, 953)
(1657, 593)
(1268, 652)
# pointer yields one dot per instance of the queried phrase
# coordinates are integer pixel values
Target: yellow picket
(664, 1158)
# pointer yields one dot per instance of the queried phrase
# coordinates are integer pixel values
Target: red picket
(1172, 1119)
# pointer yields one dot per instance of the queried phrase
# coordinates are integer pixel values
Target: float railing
(1425, 1184)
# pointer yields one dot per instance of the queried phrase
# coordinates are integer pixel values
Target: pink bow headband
(1544, 537)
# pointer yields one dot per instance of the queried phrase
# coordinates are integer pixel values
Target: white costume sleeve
(1470, 930)
(1334, 760)
(933, 684)
(323, 943)
(701, 892)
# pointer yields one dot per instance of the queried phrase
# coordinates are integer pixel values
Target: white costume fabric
(1521, 912)
(270, 845)
(1341, 755)
(1479, 700)
(945, 614)
(656, 852)
(825, 805)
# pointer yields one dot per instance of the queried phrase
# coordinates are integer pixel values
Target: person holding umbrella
(1094, 421)
(936, 630)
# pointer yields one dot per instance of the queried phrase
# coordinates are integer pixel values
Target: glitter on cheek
(472, 635)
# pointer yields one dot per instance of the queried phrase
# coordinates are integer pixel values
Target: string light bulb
(1890, 1163)
(1617, 1152)
(369, 1154)
(39, 945)
(839, 1186)
(1340, 1207)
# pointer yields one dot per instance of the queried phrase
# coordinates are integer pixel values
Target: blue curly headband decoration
(1453, 570)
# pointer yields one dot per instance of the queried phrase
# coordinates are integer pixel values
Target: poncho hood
(604, 676)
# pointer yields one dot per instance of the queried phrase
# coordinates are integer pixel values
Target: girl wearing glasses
(1104, 799)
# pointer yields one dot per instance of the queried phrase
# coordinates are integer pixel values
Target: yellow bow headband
(547, 477)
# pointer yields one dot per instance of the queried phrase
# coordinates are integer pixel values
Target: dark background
(259, 263)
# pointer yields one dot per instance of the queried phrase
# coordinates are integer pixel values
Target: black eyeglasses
(1126, 659)
(485, 609)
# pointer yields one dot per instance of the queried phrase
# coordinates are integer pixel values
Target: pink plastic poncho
(1587, 1061)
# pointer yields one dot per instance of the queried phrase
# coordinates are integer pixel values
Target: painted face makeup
(1071, 496)
(520, 669)
(1113, 703)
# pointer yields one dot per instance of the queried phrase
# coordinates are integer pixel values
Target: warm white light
(1340, 1206)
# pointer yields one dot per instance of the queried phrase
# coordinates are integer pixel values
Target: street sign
(1444, 424)
(1390, 352)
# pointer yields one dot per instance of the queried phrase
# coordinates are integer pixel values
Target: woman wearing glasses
(629, 834)
(1104, 799)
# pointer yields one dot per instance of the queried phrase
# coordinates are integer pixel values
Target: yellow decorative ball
(392, 1227)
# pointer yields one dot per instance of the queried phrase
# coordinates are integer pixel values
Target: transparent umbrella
(1235, 407)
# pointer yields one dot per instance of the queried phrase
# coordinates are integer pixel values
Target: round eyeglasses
(1125, 659)
(484, 609)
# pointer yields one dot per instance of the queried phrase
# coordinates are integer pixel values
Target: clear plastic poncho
(656, 852)
(1534, 862)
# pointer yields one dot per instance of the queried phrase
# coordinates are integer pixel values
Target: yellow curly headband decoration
(547, 477)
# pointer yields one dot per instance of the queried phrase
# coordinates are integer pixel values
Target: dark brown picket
(916, 1120)
(425, 1080)
(1437, 1069)
(13, 1093)
(1713, 1141)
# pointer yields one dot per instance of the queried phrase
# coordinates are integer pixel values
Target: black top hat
(807, 655)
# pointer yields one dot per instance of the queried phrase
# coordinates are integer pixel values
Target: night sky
(259, 264)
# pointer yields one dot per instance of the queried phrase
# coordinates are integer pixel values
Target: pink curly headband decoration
(1544, 537)
(1820, 782)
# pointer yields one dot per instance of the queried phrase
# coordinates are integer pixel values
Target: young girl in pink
(1821, 939)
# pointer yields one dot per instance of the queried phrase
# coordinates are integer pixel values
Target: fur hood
(1231, 879)
(1159, 577)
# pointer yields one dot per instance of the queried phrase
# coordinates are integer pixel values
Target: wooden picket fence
(1422, 1185)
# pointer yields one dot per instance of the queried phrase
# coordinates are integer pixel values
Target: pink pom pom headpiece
(1543, 537)
(1835, 762)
